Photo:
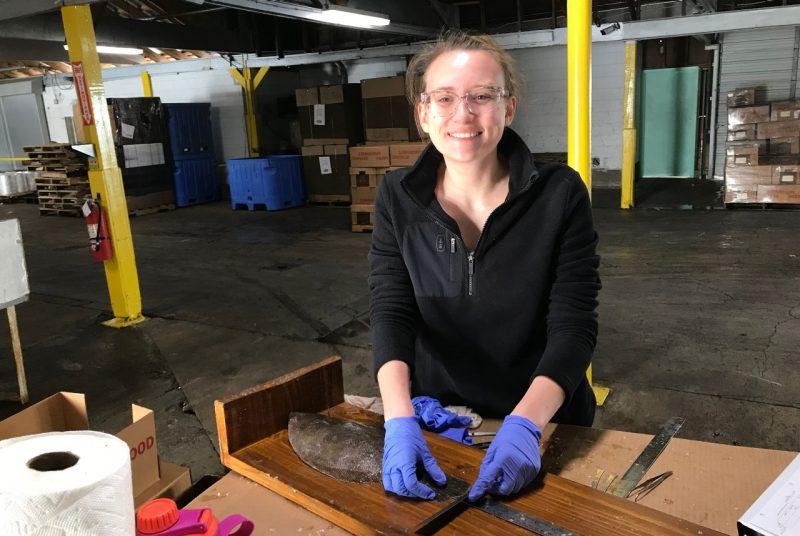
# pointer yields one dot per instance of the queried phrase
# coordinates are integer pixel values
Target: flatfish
(342, 449)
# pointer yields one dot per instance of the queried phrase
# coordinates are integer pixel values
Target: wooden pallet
(48, 211)
(330, 200)
(50, 180)
(151, 210)
(362, 228)
(761, 206)
(253, 439)
(48, 147)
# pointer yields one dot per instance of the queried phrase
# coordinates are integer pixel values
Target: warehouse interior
(696, 212)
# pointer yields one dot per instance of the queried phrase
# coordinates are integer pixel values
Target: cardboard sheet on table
(712, 484)
(271, 513)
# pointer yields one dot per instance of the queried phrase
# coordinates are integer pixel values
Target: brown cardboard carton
(331, 94)
(785, 174)
(370, 156)
(779, 159)
(366, 177)
(387, 134)
(363, 195)
(789, 145)
(781, 194)
(362, 216)
(742, 155)
(327, 176)
(784, 111)
(389, 86)
(175, 481)
(741, 195)
(748, 175)
(778, 129)
(337, 149)
(747, 115)
(65, 412)
(324, 141)
(742, 132)
(312, 150)
(306, 96)
(763, 146)
(405, 154)
(742, 97)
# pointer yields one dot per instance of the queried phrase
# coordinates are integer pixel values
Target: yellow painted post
(249, 84)
(579, 100)
(105, 177)
(629, 127)
(147, 84)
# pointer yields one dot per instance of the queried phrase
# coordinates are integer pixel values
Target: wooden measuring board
(254, 442)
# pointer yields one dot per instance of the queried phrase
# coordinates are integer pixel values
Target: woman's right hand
(404, 448)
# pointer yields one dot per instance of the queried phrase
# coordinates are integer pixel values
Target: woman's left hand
(512, 460)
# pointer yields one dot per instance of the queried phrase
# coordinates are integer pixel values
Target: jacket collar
(420, 179)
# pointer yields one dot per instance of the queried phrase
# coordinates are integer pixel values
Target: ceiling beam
(13, 9)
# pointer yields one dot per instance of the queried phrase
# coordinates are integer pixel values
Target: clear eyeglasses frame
(444, 103)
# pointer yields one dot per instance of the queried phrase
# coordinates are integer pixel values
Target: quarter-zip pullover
(476, 327)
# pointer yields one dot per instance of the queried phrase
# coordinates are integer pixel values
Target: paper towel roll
(66, 484)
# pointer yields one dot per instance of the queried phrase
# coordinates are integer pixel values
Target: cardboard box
(327, 175)
(741, 195)
(306, 96)
(366, 177)
(320, 150)
(747, 115)
(748, 175)
(362, 216)
(763, 145)
(779, 159)
(405, 154)
(370, 156)
(65, 412)
(784, 111)
(388, 86)
(745, 154)
(785, 174)
(324, 141)
(175, 481)
(778, 129)
(742, 97)
(781, 194)
(383, 135)
(363, 195)
(789, 145)
(742, 132)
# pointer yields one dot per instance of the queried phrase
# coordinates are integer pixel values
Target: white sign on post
(13, 274)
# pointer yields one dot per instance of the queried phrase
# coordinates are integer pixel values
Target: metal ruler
(649, 455)
(458, 490)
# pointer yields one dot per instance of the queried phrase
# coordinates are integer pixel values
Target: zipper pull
(452, 244)
(471, 259)
(470, 272)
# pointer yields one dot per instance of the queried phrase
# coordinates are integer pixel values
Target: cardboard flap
(141, 439)
(61, 412)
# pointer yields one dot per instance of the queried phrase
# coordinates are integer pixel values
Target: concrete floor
(699, 316)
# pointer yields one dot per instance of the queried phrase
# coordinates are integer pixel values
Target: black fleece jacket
(476, 327)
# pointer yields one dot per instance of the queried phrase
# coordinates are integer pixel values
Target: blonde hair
(448, 41)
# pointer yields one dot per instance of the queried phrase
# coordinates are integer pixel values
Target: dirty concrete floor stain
(699, 317)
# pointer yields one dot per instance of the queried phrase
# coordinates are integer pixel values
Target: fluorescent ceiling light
(122, 51)
(349, 17)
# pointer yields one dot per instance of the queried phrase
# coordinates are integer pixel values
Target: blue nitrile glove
(404, 448)
(434, 417)
(512, 460)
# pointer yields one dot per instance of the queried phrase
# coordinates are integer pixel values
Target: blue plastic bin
(189, 126)
(195, 181)
(276, 182)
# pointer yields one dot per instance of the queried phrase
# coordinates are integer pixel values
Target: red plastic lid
(208, 519)
(156, 516)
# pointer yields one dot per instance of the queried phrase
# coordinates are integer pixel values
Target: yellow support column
(579, 100)
(629, 127)
(147, 84)
(105, 177)
(249, 84)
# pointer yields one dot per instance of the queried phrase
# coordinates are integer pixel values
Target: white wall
(359, 70)
(542, 113)
(214, 86)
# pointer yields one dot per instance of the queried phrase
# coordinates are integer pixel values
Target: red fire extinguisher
(97, 226)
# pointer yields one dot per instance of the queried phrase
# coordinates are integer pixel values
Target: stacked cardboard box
(330, 121)
(370, 163)
(762, 150)
(387, 114)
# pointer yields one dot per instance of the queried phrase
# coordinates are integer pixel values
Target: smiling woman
(483, 274)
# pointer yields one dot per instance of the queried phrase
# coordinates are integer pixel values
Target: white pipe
(712, 124)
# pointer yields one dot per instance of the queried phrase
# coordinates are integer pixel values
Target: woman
(483, 274)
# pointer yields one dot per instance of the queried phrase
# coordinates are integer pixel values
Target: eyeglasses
(444, 103)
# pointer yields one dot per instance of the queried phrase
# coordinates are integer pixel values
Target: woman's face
(467, 135)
